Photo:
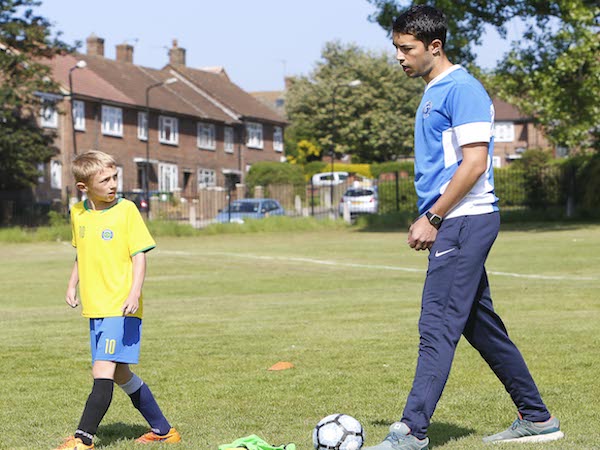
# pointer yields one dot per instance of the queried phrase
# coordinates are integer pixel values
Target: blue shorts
(116, 339)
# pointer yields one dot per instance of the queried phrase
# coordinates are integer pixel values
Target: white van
(329, 178)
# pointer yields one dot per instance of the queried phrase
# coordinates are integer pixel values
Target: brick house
(197, 130)
(513, 134)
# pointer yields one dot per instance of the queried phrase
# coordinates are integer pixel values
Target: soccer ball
(338, 432)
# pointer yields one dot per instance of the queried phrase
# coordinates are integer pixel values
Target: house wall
(128, 148)
(526, 136)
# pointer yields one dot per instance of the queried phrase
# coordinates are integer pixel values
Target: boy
(458, 224)
(111, 239)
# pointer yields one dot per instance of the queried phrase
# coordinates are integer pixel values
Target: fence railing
(550, 187)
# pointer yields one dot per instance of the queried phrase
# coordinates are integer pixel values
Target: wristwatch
(434, 219)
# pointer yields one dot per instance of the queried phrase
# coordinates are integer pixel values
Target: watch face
(434, 219)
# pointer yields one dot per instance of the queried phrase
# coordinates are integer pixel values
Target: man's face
(102, 187)
(414, 57)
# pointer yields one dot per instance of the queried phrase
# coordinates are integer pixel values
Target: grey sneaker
(399, 438)
(526, 431)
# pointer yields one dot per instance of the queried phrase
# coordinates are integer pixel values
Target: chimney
(95, 45)
(176, 55)
(125, 53)
(288, 81)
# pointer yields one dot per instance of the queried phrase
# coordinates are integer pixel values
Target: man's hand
(421, 234)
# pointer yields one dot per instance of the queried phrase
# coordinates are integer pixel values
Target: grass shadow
(440, 433)
(111, 433)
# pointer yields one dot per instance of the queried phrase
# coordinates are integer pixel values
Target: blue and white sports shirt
(455, 110)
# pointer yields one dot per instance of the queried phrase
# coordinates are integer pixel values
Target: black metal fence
(553, 187)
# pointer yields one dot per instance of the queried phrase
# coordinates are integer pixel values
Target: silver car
(359, 200)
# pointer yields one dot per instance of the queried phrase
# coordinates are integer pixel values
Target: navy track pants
(456, 300)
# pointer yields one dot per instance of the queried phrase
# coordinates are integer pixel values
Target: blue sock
(145, 403)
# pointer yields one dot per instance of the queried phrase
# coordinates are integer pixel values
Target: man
(458, 223)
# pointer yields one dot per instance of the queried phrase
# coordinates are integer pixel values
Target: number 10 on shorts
(110, 346)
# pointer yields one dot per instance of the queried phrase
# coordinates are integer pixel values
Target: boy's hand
(71, 298)
(130, 306)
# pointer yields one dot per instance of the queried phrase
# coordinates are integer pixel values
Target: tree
(552, 71)
(372, 122)
(25, 41)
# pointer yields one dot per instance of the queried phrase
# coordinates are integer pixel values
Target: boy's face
(101, 189)
(416, 59)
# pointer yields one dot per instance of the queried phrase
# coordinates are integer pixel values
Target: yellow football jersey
(106, 241)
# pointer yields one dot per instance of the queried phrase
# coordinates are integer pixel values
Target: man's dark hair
(425, 23)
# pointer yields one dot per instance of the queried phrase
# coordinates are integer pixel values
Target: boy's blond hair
(90, 163)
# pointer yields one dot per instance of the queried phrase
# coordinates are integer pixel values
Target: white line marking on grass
(325, 262)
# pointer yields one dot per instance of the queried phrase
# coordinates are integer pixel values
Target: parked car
(359, 200)
(329, 178)
(139, 198)
(250, 208)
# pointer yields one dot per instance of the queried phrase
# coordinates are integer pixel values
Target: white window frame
(112, 121)
(41, 167)
(78, 112)
(49, 115)
(254, 135)
(504, 132)
(496, 162)
(119, 178)
(168, 130)
(206, 178)
(142, 127)
(278, 139)
(206, 136)
(55, 174)
(168, 177)
(228, 139)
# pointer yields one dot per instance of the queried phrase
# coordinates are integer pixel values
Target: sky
(258, 42)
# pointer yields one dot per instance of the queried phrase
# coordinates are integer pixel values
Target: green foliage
(314, 167)
(269, 173)
(541, 182)
(24, 42)
(551, 73)
(509, 185)
(306, 151)
(360, 169)
(407, 167)
(402, 199)
(373, 122)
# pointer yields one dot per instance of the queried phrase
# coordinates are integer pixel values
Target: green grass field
(341, 305)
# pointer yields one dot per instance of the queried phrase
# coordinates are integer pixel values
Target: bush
(393, 166)
(274, 173)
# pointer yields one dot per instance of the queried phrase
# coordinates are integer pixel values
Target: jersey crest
(107, 234)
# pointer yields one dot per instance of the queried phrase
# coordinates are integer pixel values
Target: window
(167, 177)
(112, 121)
(55, 174)
(206, 178)
(278, 139)
(254, 132)
(168, 130)
(79, 115)
(142, 130)
(42, 173)
(206, 136)
(228, 139)
(119, 179)
(49, 115)
(504, 132)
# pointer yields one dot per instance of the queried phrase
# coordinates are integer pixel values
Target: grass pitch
(342, 306)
